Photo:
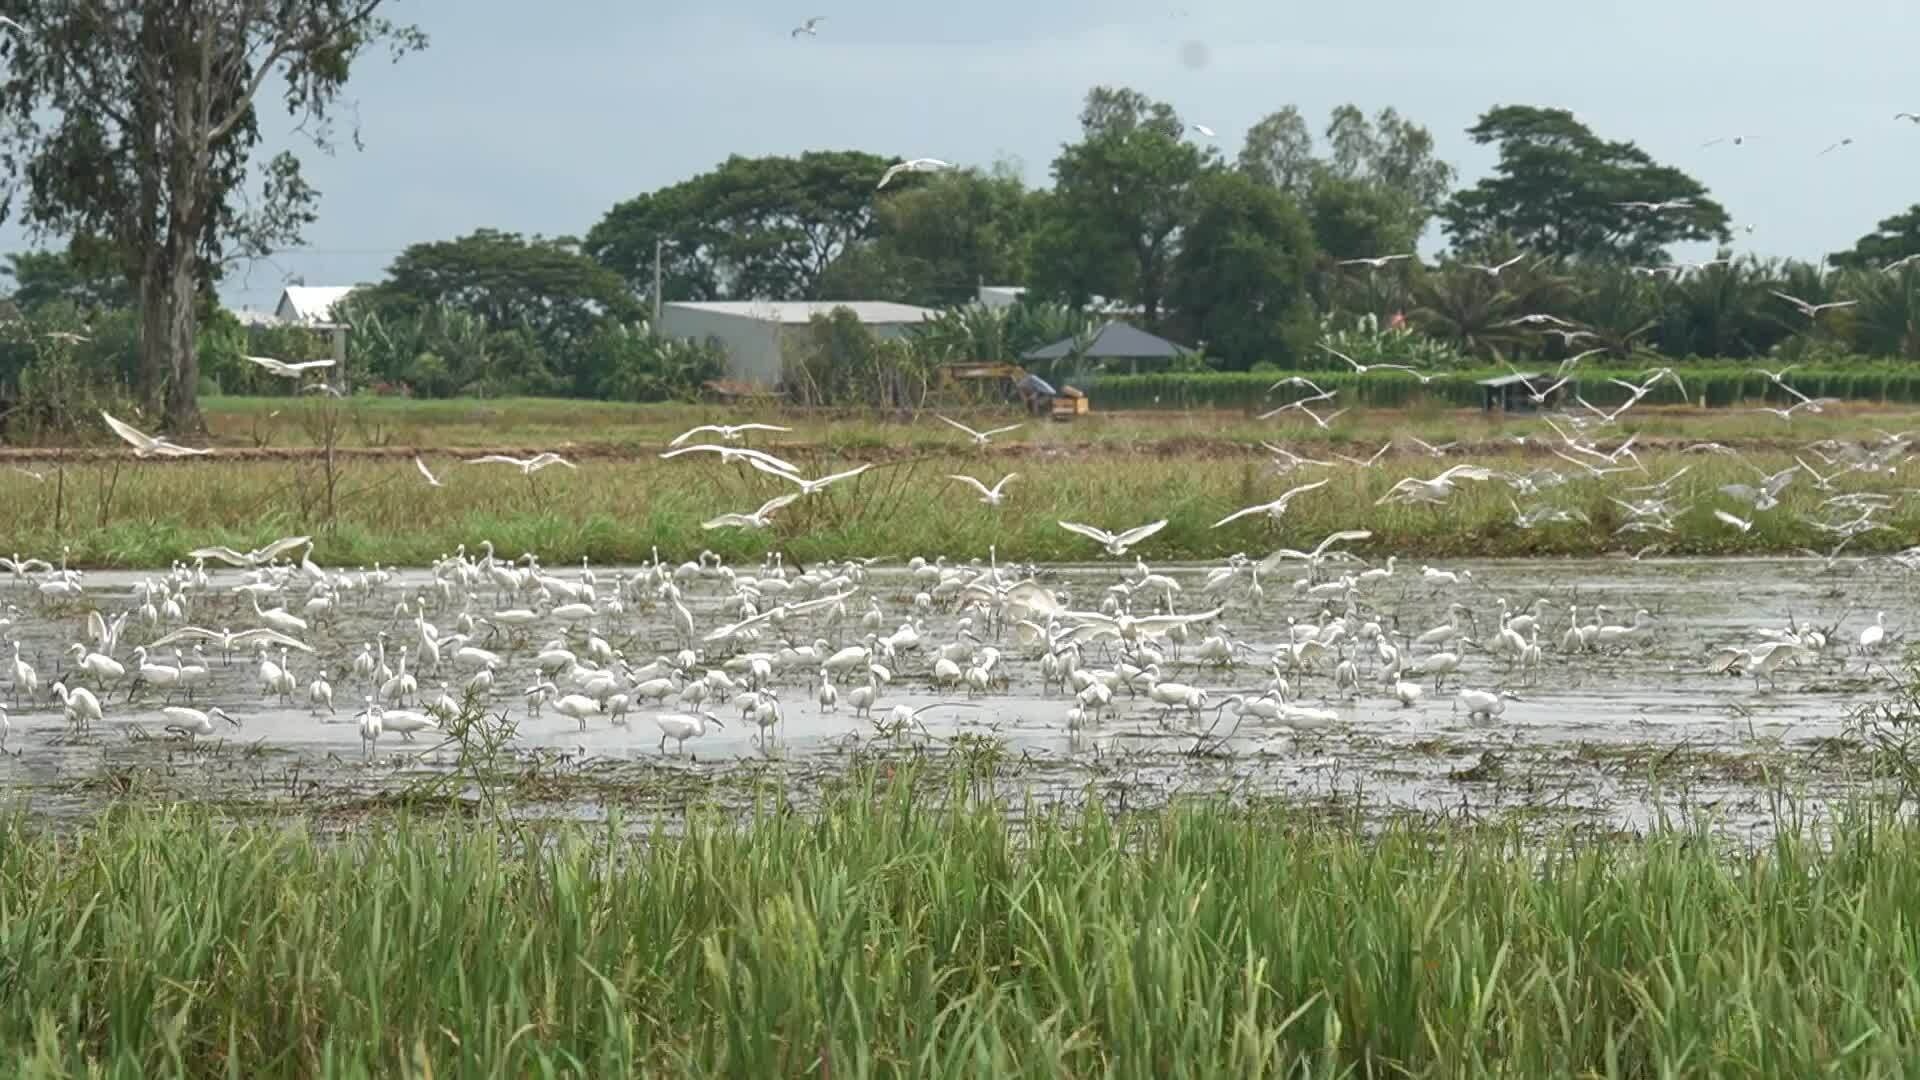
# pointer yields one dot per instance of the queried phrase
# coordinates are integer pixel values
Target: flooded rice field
(1624, 703)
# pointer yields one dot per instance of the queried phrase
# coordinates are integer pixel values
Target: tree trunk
(153, 338)
(180, 341)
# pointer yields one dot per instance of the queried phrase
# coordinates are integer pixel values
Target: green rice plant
(908, 929)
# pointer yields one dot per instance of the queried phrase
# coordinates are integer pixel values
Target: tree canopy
(1372, 193)
(761, 228)
(1561, 190)
(1240, 280)
(1110, 226)
(131, 125)
(936, 239)
(1895, 238)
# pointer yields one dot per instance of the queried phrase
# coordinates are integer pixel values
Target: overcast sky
(537, 118)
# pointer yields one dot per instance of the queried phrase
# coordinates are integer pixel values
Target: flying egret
(727, 432)
(1115, 543)
(527, 466)
(759, 519)
(979, 437)
(259, 556)
(1812, 310)
(992, 496)
(432, 480)
(1275, 509)
(925, 164)
(286, 370)
(145, 445)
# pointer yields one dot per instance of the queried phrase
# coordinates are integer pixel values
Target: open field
(897, 931)
(364, 502)
(241, 423)
(128, 514)
(400, 426)
(1278, 843)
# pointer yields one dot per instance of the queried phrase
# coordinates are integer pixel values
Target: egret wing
(1135, 535)
(690, 433)
(128, 432)
(959, 425)
(1088, 531)
(776, 503)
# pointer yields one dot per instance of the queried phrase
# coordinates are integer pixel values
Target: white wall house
(310, 304)
(756, 334)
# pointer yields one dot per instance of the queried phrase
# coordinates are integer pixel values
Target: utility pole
(658, 244)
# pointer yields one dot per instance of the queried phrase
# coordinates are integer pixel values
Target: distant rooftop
(311, 303)
(1114, 341)
(801, 312)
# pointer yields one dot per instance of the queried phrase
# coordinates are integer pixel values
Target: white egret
(979, 437)
(1115, 543)
(192, 723)
(149, 445)
(925, 164)
(683, 726)
(992, 496)
(727, 432)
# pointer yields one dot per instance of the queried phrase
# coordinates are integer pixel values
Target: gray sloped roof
(1114, 341)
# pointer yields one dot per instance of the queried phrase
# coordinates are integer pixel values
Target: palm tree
(1616, 305)
(1887, 321)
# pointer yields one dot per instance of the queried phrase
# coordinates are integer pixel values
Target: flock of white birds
(601, 646)
(485, 628)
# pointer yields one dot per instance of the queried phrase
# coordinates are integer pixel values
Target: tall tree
(1895, 238)
(1559, 189)
(1120, 197)
(132, 123)
(547, 287)
(1373, 192)
(938, 238)
(1240, 281)
(1278, 151)
(42, 277)
(755, 228)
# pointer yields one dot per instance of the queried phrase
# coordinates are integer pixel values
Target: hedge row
(1718, 386)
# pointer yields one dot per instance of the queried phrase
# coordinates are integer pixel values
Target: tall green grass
(901, 934)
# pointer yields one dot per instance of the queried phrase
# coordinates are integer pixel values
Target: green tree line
(1252, 262)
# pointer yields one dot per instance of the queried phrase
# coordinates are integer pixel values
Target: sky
(538, 118)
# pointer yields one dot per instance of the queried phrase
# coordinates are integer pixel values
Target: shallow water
(1607, 738)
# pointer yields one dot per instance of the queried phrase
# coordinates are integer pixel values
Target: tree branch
(284, 44)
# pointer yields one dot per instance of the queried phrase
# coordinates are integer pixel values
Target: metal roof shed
(1514, 393)
(1114, 341)
(757, 334)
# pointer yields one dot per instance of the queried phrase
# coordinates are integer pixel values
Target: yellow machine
(1036, 395)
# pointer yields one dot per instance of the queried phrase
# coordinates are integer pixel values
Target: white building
(310, 305)
(756, 333)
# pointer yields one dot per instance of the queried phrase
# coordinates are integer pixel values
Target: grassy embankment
(948, 940)
(637, 429)
(120, 512)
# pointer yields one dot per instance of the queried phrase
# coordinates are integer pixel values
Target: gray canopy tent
(1114, 341)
